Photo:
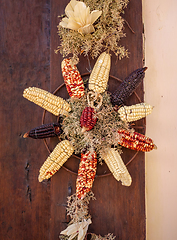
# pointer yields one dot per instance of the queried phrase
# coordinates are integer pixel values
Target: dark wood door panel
(118, 209)
(33, 210)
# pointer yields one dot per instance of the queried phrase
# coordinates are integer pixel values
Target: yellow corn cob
(56, 159)
(134, 112)
(116, 165)
(100, 73)
(47, 100)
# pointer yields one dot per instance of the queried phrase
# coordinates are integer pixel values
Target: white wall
(160, 20)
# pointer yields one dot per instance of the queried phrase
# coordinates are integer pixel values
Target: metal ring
(46, 144)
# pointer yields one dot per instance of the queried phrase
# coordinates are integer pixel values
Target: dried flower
(79, 228)
(108, 30)
(79, 17)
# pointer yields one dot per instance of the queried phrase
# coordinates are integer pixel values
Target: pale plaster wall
(160, 20)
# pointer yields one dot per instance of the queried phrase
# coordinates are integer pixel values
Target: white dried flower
(79, 228)
(79, 17)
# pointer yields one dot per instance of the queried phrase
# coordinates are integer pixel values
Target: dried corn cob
(116, 165)
(86, 174)
(72, 79)
(47, 100)
(136, 141)
(88, 119)
(100, 73)
(44, 131)
(128, 86)
(56, 159)
(134, 112)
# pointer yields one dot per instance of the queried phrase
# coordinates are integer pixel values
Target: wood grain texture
(33, 210)
(24, 61)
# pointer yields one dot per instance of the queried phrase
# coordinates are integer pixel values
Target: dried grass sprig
(109, 236)
(78, 209)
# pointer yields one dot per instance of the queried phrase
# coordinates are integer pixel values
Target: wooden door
(33, 210)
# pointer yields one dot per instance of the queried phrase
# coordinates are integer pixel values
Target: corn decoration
(100, 74)
(128, 86)
(72, 78)
(86, 173)
(56, 159)
(135, 112)
(136, 141)
(53, 104)
(44, 131)
(88, 119)
(117, 167)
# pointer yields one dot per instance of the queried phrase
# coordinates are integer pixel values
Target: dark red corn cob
(86, 174)
(88, 119)
(128, 86)
(136, 141)
(44, 131)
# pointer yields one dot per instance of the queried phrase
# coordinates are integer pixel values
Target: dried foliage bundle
(78, 211)
(108, 32)
(109, 236)
(105, 132)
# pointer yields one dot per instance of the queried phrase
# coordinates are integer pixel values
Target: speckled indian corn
(44, 131)
(88, 119)
(72, 79)
(135, 141)
(86, 174)
(128, 86)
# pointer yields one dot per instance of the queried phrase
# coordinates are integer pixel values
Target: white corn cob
(134, 112)
(47, 100)
(100, 73)
(56, 159)
(116, 165)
